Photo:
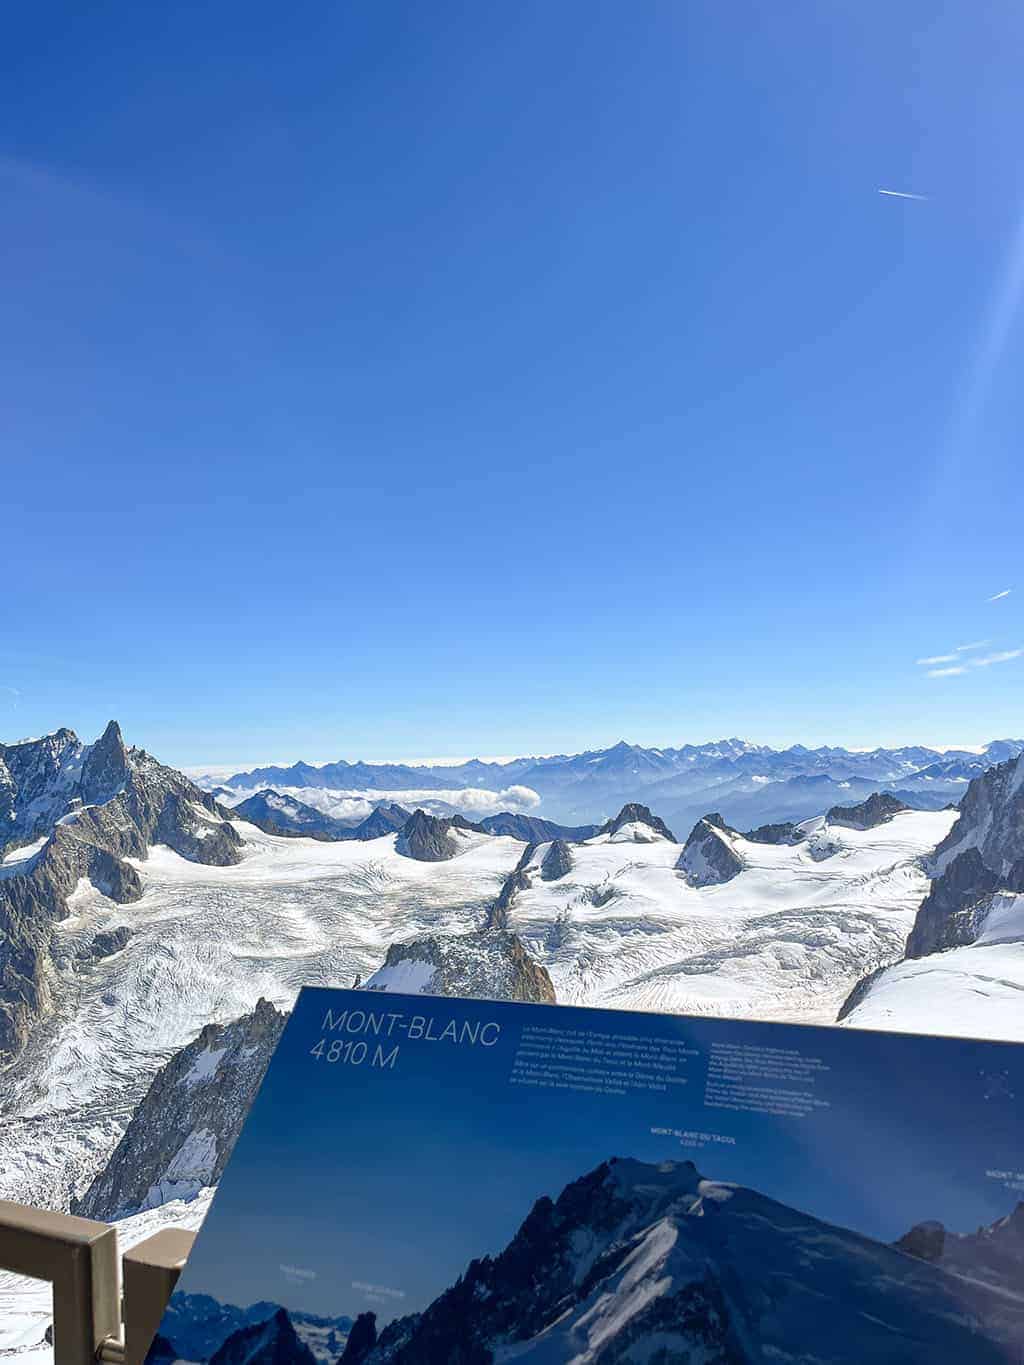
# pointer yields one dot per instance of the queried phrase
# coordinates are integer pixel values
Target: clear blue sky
(397, 380)
(441, 1153)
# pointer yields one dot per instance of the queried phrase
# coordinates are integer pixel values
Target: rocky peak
(783, 832)
(991, 819)
(878, 809)
(428, 838)
(635, 814)
(388, 817)
(274, 1342)
(104, 767)
(486, 964)
(557, 862)
(182, 1133)
(361, 1340)
(709, 857)
(982, 854)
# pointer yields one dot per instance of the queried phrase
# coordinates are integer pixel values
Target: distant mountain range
(750, 784)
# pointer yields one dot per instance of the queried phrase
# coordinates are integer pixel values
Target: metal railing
(80, 1259)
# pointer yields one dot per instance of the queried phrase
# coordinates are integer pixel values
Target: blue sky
(393, 381)
(441, 1151)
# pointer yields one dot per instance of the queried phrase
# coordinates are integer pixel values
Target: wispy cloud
(1003, 657)
(902, 194)
(998, 597)
(953, 657)
(958, 662)
(11, 692)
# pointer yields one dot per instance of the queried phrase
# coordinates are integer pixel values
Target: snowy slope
(976, 991)
(785, 939)
(642, 1263)
(207, 943)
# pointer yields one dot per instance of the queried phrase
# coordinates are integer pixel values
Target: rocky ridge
(878, 809)
(709, 857)
(982, 854)
(642, 1262)
(486, 964)
(93, 806)
(182, 1133)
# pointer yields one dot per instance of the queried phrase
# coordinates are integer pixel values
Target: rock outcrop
(784, 832)
(429, 838)
(991, 820)
(878, 809)
(982, 854)
(274, 1342)
(632, 813)
(387, 818)
(182, 1133)
(487, 964)
(708, 857)
(557, 862)
(133, 802)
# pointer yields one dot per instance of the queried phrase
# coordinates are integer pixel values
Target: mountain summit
(73, 811)
(652, 1262)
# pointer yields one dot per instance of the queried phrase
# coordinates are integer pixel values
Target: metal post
(151, 1270)
(79, 1258)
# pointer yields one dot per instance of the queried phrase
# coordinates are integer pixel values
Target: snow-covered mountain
(635, 921)
(198, 1325)
(182, 1133)
(135, 910)
(74, 814)
(963, 968)
(751, 784)
(653, 1264)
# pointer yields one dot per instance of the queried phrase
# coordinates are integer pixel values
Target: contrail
(901, 194)
(1000, 595)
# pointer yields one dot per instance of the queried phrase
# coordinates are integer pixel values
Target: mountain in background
(750, 784)
(653, 1263)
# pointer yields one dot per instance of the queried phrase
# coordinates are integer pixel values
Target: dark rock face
(634, 813)
(196, 1326)
(993, 1255)
(98, 804)
(708, 857)
(266, 1343)
(878, 809)
(109, 941)
(487, 964)
(386, 819)
(926, 1241)
(982, 854)
(361, 1340)
(516, 881)
(105, 767)
(991, 819)
(952, 912)
(181, 1135)
(557, 862)
(785, 832)
(428, 838)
